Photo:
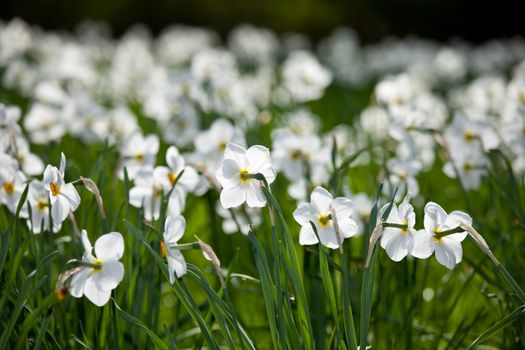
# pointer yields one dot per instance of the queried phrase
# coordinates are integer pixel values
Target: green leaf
(506, 321)
(133, 320)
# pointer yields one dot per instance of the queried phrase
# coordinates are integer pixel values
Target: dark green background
(373, 19)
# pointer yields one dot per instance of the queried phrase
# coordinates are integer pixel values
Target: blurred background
(475, 21)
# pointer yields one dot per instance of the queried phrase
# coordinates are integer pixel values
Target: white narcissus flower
(396, 241)
(234, 175)
(105, 271)
(304, 77)
(448, 248)
(213, 141)
(38, 200)
(146, 194)
(320, 211)
(138, 152)
(167, 176)
(173, 230)
(12, 185)
(63, 196)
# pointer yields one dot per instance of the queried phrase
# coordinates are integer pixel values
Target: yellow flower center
(404, 230)
(468, 166)
(222, 145)
(41, 204)
(244, 175)
(172, 177)
(469, 136)
(437, 238)
(324, 220)
(55, 189)
(139, 157)
(97, 265)
(296, 154)
(9, 187)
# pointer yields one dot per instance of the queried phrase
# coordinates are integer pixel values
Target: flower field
(260, 191)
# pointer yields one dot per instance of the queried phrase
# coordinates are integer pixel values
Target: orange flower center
(172, 177)
(55, 189)
(163, 249)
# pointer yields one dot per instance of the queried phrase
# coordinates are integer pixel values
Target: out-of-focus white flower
(465, 132)
(177, 45)
(211, 62)
(253, 44)
(235, 175)
(45, 123)
(450, 64)
(470, 164)
(293, 154)
(63, 196)
(320, 211)
(302, 122)
(29, 162)
(171, 179)
(105, 271)
(245, 217)
(12, 185)
(183, 124)
(447, 248)
(304, 77)
(375, 122)
(146, 194)
(212, 142)
(138, 152)
(402, 175)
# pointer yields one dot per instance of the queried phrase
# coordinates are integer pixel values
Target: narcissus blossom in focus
(320, 211)
(398, 241)
(104, 272)
(235, 175)
(447, 247)
(63, 196)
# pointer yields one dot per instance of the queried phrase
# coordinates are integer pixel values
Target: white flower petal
(233, 197)
(109, 276)
(235, 153)
(449, 253)
(322, 199)
(60, 209)
(423, 245)
(174, 228)
(176, 265)
(254, 195)
(434, 216)
(95, 295)
(85, 242)
(328, 237)
(228, 173)
(69, 191)
(307, 236)
(305, 213)
(258, 158)
(343, 208)
(109, 246)
(78, 282)
(347, 227)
